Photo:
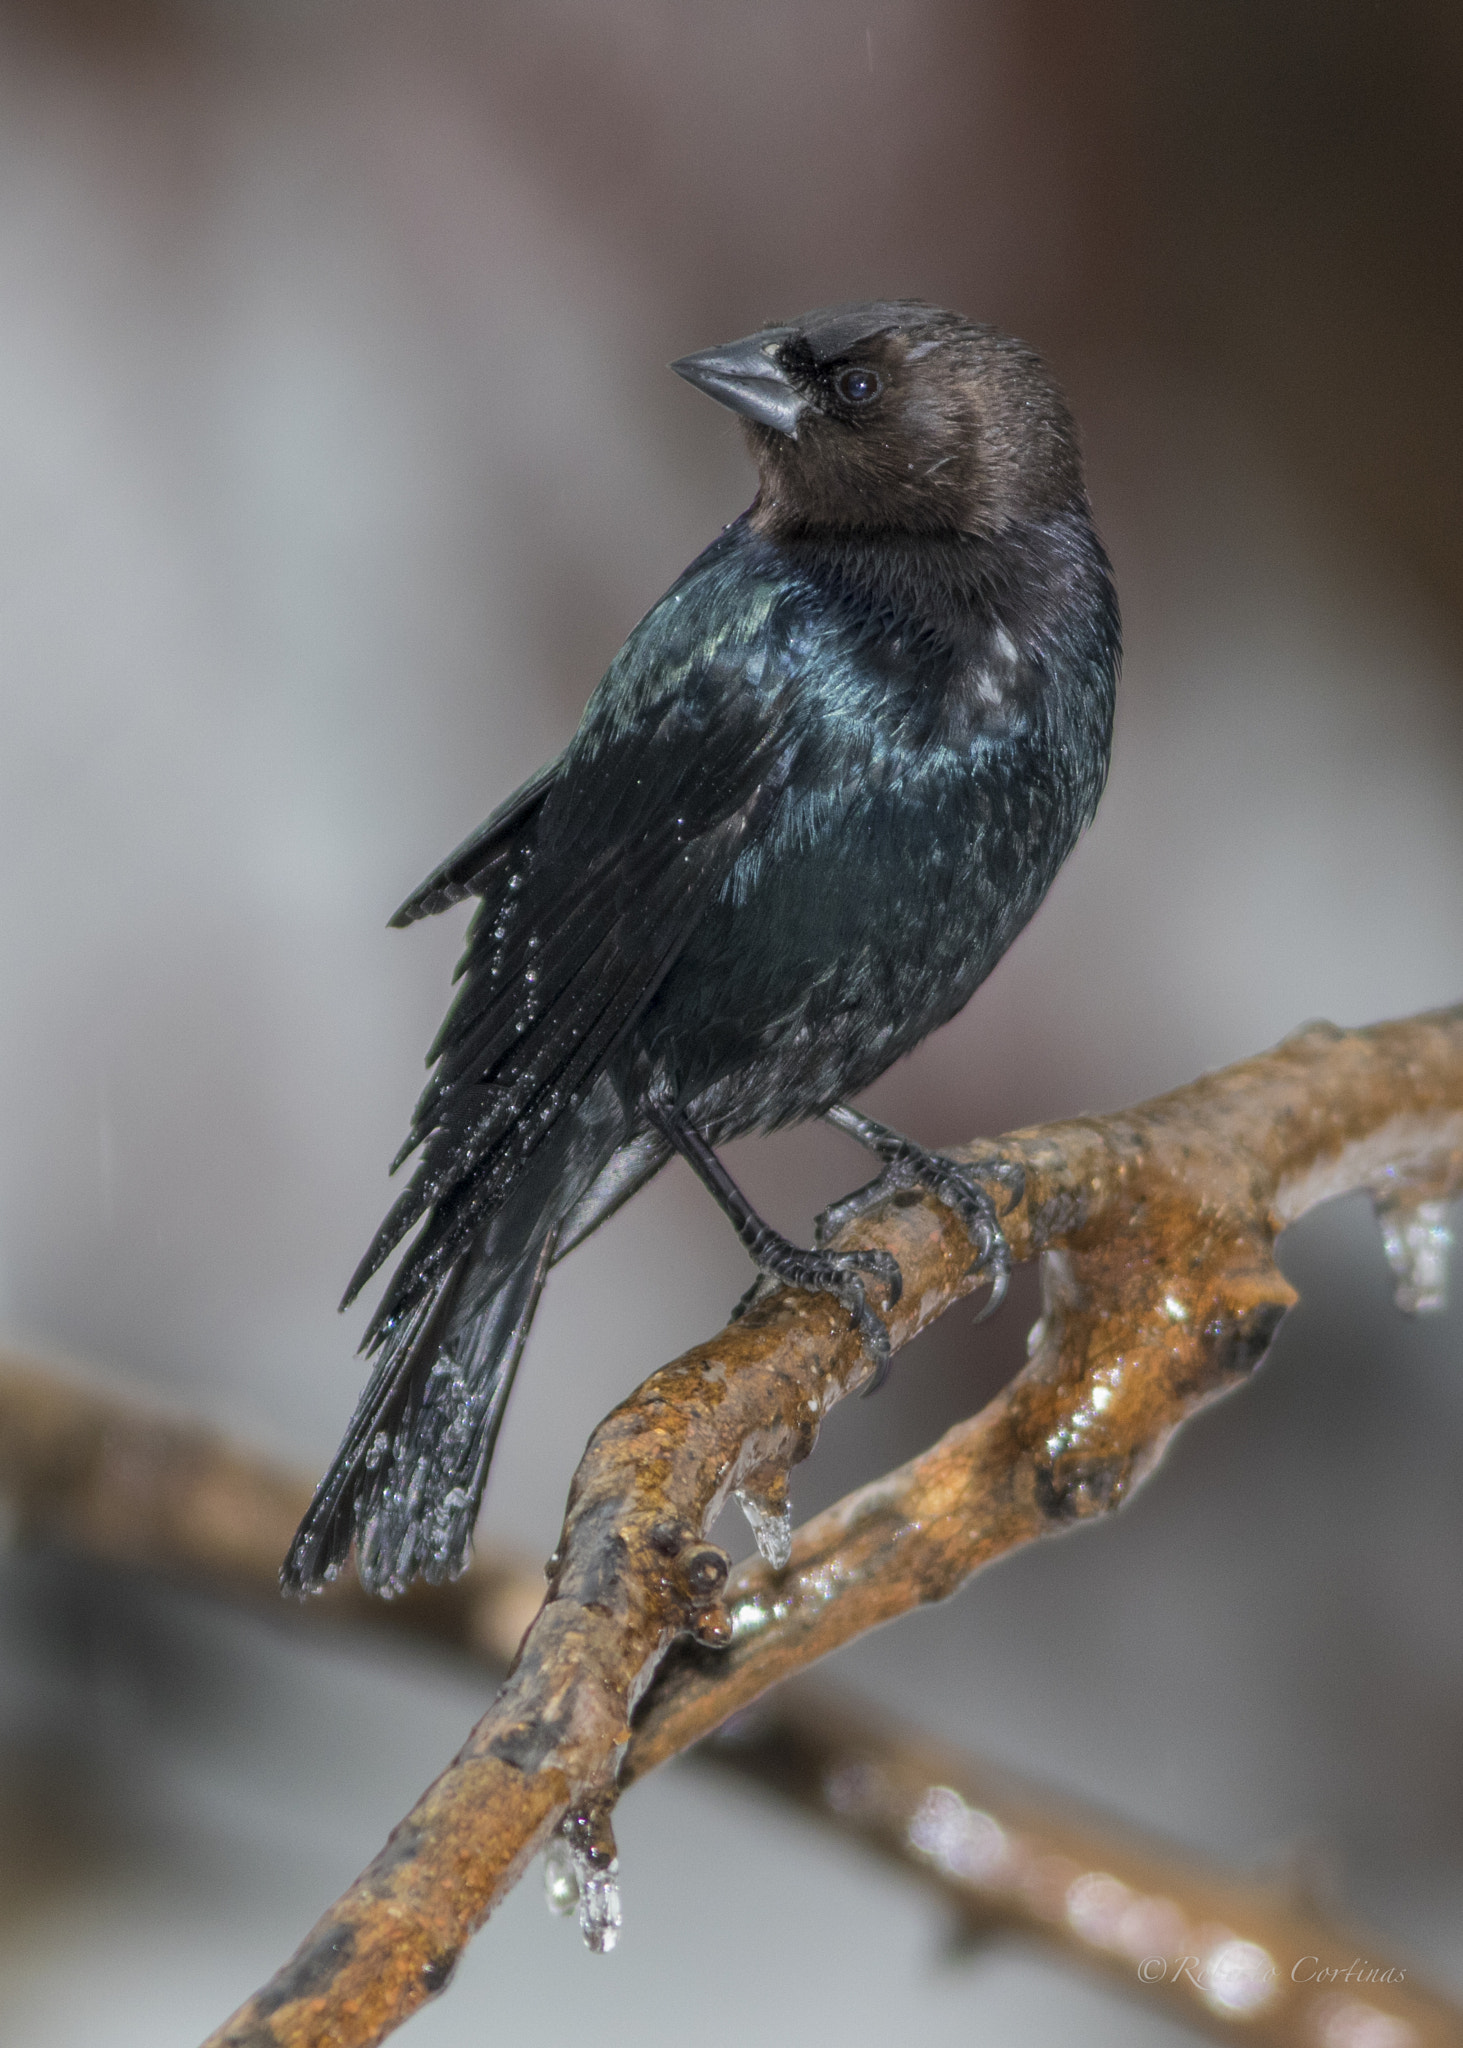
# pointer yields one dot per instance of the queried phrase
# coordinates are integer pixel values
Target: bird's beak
(745, 375)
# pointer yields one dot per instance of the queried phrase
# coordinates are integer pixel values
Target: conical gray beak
(745, 376)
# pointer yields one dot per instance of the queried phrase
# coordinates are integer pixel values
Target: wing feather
(488, 1131)
(592, 877)
(474, 867)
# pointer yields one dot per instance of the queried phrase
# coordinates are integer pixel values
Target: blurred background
(339, 456)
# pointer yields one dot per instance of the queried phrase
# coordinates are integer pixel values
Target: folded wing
(596, 883)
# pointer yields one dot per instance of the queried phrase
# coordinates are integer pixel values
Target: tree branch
(1157, 1228)
(1237, 1957)
(109, 1480)
(1160, 1292)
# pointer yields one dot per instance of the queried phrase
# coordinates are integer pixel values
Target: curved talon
(761, 1286)
(873, 1334)
(953, 1184)
(1000, 1279)
(883, 1265)
(1011, 1174)
(836, 1273)
(958, 1190)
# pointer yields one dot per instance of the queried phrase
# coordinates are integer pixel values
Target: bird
(823, 785)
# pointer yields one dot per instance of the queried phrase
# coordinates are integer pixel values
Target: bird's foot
(952, 1183)
(819, 1271)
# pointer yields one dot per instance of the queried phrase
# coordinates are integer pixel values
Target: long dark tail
(408, 1480)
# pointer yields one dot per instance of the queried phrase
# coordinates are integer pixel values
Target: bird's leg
(909, 1165)
(818, 1271)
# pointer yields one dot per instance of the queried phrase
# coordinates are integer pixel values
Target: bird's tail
(407, 1482)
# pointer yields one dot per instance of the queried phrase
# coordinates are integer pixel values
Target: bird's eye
(857, 387)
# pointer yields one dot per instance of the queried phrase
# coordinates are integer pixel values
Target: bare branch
(106, 1476)
(1237, 1957)
(1161, 1291)
(108, 1479)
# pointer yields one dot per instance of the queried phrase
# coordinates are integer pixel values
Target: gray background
(338, 458)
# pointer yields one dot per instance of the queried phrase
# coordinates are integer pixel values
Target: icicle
(1417, 1241)
(582, 1870)
(769, 1516)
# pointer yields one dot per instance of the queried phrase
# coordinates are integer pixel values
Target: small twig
(1161, 1292)
(109, 1480)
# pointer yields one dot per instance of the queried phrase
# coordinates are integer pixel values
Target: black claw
(876, 1343)
(952, 1184)
(999, 1276)
(835, 1273)
(884, 1266)
(872, 1329)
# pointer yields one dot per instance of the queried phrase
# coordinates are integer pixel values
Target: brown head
(896, 416)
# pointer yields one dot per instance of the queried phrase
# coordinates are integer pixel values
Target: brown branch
(109, 1480)
(1237, 1957)
(1161, 1292)
(108, 1477)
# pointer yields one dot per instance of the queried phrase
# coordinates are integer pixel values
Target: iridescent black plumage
(824, 784)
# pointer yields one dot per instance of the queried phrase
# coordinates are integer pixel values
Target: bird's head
(897, 416)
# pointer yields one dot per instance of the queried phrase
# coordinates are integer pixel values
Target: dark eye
(857, 387)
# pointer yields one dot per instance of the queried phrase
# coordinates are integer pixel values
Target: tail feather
(407, 1482)
(415, 1514)
(323, 1540)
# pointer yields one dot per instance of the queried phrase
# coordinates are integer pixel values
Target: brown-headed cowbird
(821, 788)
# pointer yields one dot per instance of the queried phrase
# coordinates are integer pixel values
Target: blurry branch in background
(1241, 1958)
(108, 1480)
(107, 1477)
(1156, 1229)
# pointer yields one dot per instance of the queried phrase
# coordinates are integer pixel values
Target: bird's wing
(680, 751)
(473, 869)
